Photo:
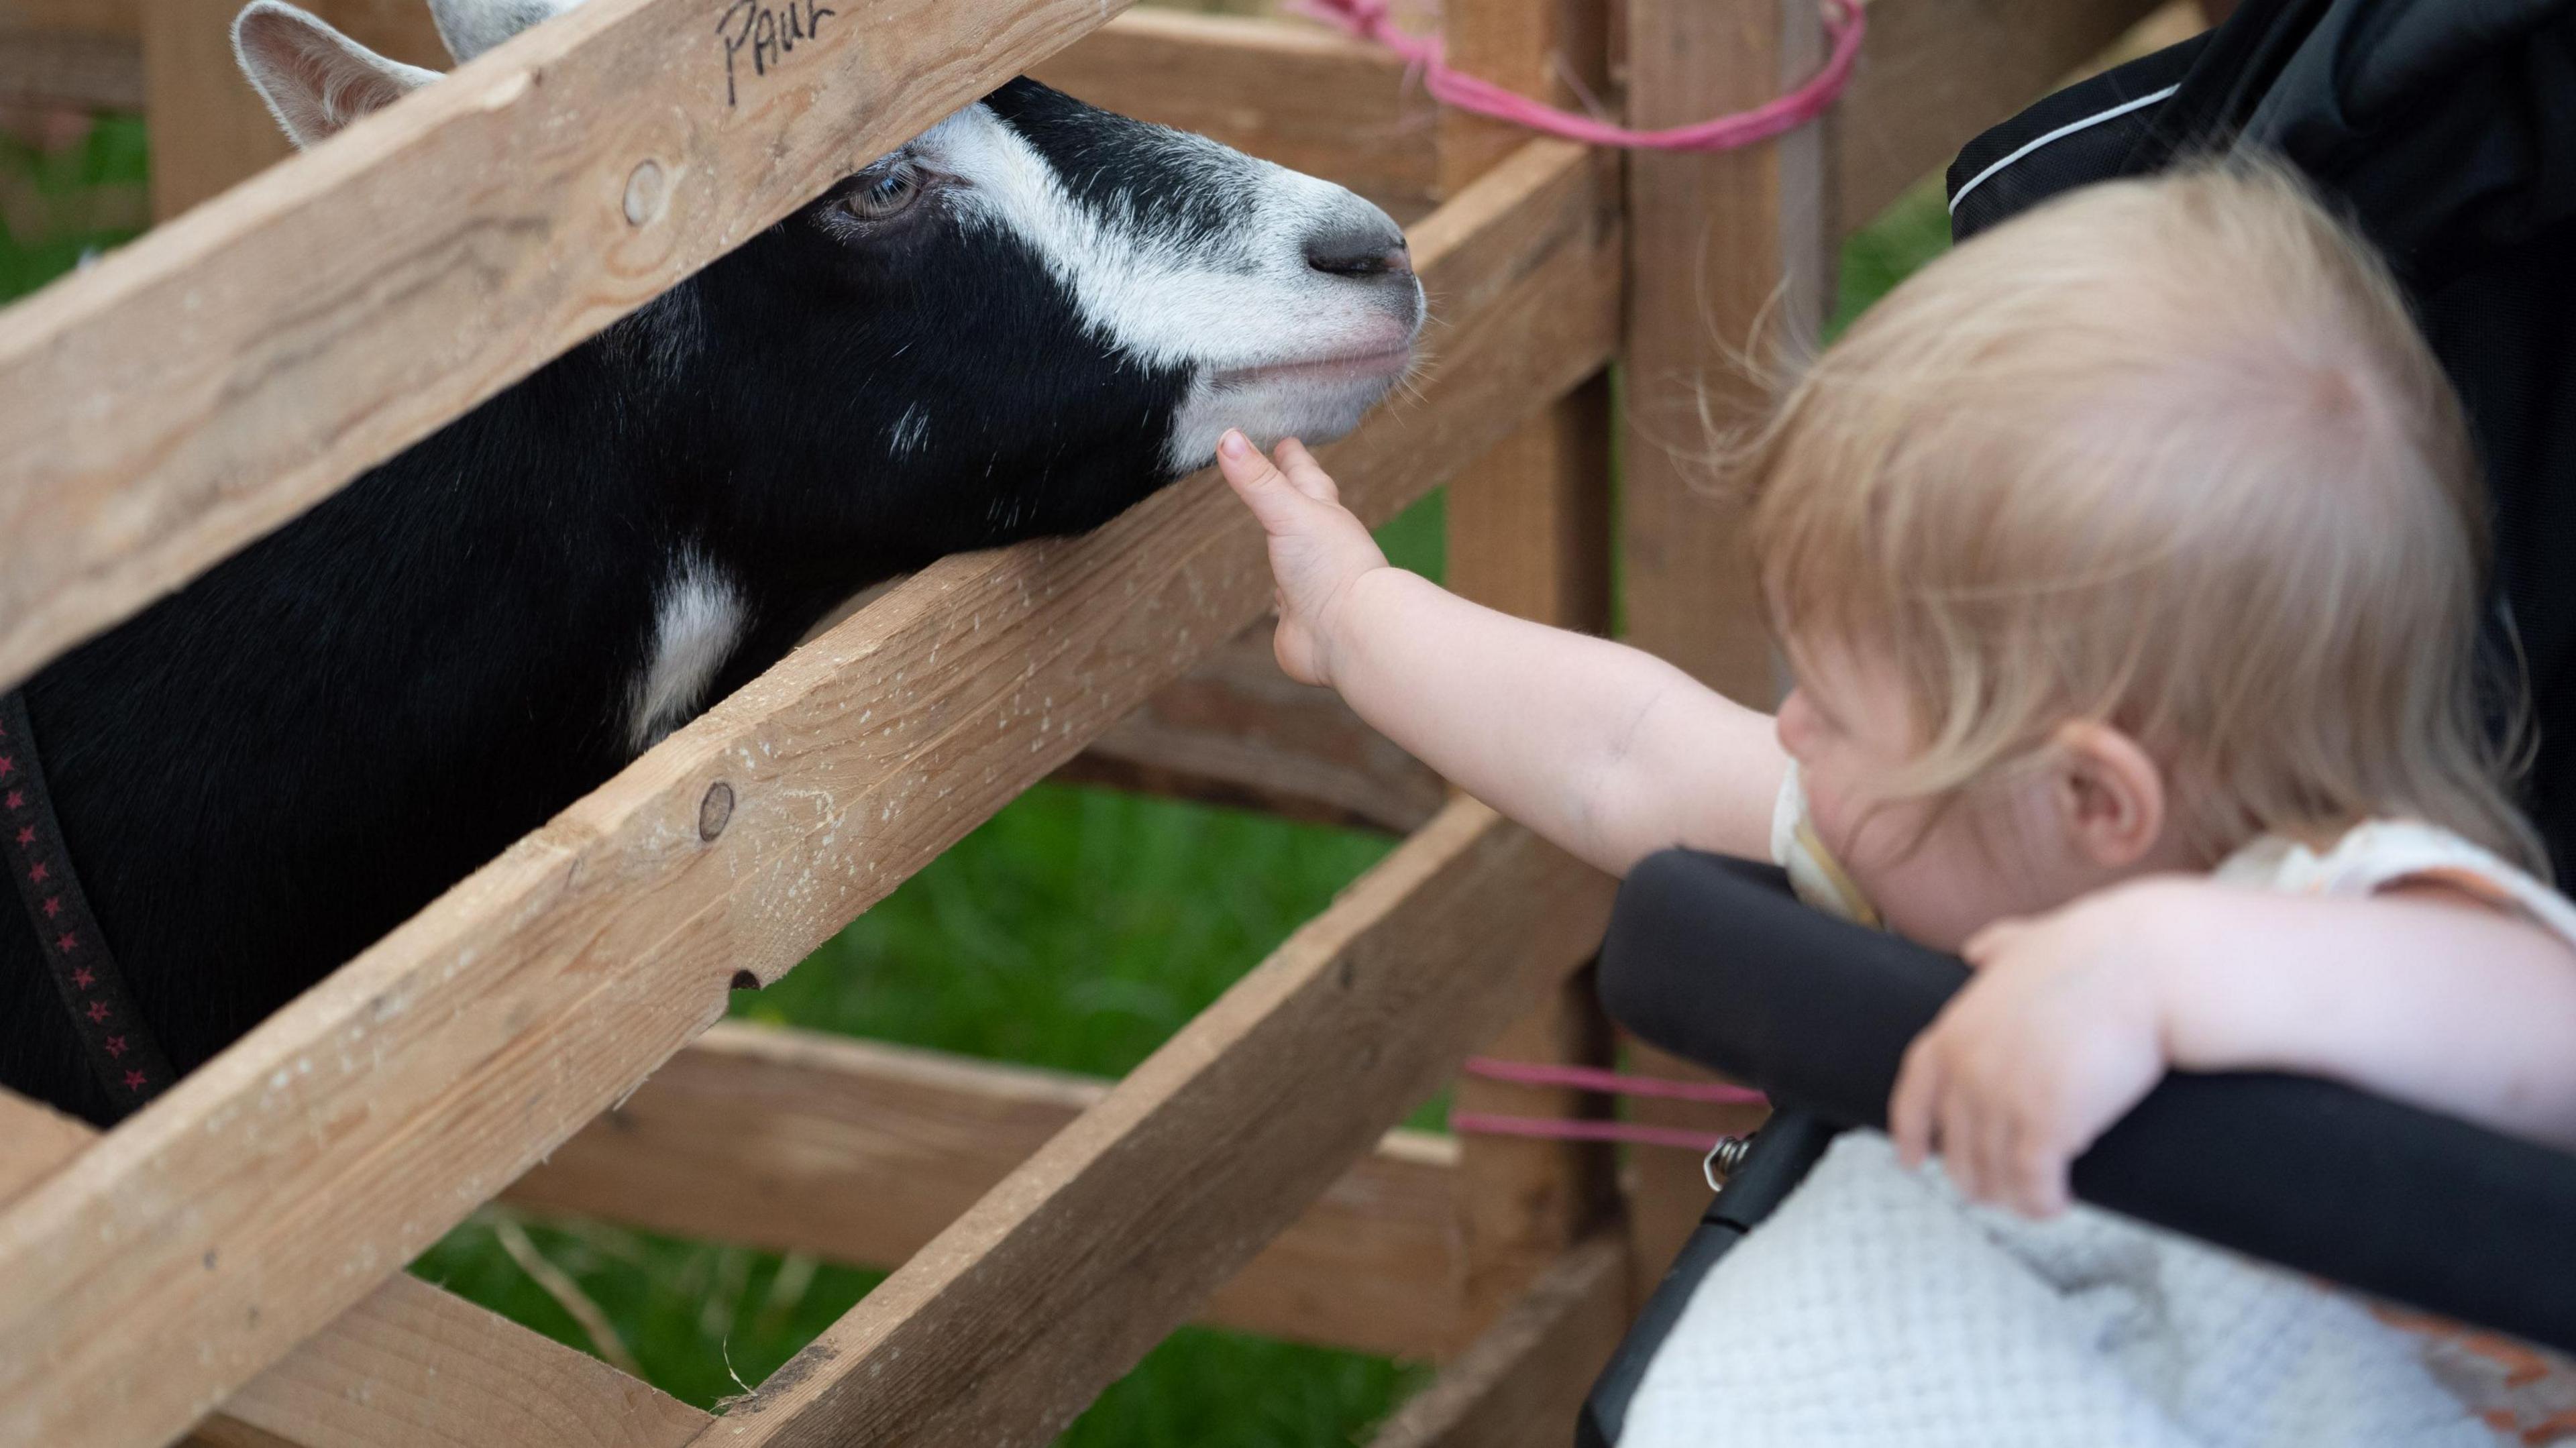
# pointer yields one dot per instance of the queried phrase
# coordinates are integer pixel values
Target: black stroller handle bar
(1712, 959)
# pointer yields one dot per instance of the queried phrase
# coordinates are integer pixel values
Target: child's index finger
(1263, 488)
(1305, 474)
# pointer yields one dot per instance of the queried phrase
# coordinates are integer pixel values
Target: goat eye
(886, 196)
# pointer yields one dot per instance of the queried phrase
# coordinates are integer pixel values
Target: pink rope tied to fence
(1593, 1078)
(1368, 19)
(1550, 1128)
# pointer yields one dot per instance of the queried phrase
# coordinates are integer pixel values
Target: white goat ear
(471, 27)
(315, 79)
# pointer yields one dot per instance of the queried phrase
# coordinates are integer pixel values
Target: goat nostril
(1361, 255)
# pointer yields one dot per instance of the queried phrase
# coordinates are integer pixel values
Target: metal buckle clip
(1725, 1159)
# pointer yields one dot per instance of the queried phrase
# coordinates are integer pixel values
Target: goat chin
(1316, 402)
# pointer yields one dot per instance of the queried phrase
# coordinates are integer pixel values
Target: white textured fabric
(1878, 1306)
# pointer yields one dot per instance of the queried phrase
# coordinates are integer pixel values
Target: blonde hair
(2168, 454)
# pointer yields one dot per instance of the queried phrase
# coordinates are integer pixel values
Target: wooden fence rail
(408, 1365)
(1521, 1383)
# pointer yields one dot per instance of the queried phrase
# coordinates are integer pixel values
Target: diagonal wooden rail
(266, 1193)
(1520, 1384)
(408, 1365)
(202, 386)
(1236, 731)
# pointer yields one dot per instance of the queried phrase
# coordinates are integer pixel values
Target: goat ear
(471, 27)
(315, 80)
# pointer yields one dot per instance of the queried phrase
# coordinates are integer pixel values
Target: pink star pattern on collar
(127, 1061)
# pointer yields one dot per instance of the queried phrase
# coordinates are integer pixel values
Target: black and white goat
(1021, 323)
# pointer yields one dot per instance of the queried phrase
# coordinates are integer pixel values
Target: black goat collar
(122, 1054)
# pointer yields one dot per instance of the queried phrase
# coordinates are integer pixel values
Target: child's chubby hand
(1318, 548)
(2060, 1031)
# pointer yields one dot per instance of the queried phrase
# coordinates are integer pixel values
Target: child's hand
(2057, 1035)
(1318, 549)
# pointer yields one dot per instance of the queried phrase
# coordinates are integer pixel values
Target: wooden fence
(226, 1266)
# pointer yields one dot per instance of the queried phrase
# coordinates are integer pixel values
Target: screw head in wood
(647, 190)
(715, 811)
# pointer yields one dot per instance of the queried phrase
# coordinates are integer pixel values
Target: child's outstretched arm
(2424, 995)
(1605, 750)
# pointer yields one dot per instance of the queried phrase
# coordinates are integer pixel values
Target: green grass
(706, 1322)
(59, 202)
(1888, 250)
(1077, 929)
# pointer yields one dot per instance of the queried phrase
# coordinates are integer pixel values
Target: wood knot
(647, 191)
(715, 811)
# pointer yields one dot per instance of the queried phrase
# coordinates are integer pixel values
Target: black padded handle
(1711, 959)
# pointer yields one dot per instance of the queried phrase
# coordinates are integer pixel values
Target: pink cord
(1553, 1128)
(1368, 19)
(1591, 1078)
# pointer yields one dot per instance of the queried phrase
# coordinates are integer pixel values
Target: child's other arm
(2420, 994)
(1605, 750)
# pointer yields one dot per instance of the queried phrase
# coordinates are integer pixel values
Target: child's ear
(2109, 794)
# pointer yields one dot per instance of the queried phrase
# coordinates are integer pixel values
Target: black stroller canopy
(2447, 130)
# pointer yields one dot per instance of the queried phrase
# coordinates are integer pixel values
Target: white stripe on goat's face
(1284, 300)
(1180, 254)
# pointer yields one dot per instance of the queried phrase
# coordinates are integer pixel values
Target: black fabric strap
(121, 1051)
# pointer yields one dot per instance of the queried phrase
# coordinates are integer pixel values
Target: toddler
(2127, 560)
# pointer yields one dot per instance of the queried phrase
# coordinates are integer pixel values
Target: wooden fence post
(1718, 245)
(208, 127)
(1528, 531)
